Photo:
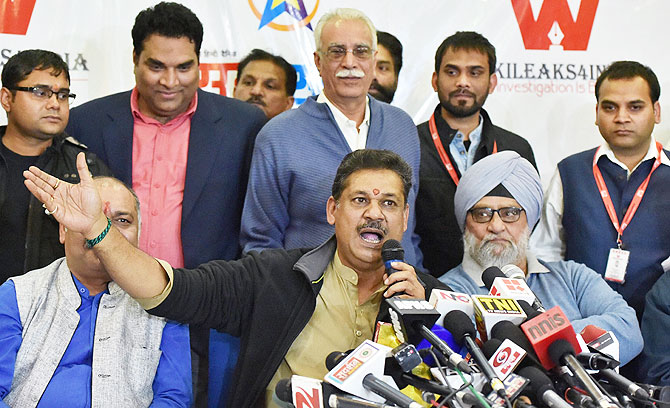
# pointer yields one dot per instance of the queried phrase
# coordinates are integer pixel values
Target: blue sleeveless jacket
(589, 233)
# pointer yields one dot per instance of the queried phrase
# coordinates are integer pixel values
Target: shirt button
(159, 158)
(358, 333)
(154, 212)
(152, 244)
(157, 185)
(82, 290)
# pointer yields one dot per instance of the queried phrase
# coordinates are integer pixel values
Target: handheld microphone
(460, 325)
(489, 310)
(513, 271)
(411, 319)
(596, 361)
(563, 353)
(500, 284)
(508, 330)
(355, 374)
(504, 356)
(624, 383)
(392, 252)
(542, 389)
(445, 301)
(545, 329)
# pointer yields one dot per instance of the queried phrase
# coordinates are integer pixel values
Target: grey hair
(345, 14)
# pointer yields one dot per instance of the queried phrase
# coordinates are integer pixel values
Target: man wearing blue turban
(497, 203)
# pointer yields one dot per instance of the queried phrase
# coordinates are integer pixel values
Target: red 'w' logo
(15, 16)
(555, 26)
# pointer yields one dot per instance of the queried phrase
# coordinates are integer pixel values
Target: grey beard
(485, 255)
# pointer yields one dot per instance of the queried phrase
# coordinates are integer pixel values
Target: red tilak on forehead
(375, 191)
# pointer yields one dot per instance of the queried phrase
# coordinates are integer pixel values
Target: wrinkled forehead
(347, 32)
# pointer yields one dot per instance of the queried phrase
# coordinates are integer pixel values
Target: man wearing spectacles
(497, 204)
(36, 96)
(300, 149)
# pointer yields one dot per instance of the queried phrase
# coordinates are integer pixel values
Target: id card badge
(617, 262)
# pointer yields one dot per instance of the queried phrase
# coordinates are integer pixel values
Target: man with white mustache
(297, 153)
(497, 203)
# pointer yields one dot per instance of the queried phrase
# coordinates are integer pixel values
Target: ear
(136, 58)
(331, 209)
(61, 233)
(493, 81)
(6, 99)
(433, 81)
(657, 112)
(405, 217)
(289, 103)
(597, 106)
(317, 61)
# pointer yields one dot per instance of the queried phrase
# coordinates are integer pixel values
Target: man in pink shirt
(186, 152)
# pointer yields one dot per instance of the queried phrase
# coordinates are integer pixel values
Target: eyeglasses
(336, 53)
(507, 214)
(44, 92)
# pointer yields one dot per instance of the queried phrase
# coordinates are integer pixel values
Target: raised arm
(79, 208)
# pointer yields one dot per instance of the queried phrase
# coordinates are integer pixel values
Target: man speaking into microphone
(497, 203)
(289, 308)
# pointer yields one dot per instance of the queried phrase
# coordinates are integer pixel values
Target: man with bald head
(297, 153)
(497, 204)
(71, 337)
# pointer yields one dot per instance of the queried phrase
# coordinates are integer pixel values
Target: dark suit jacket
(221, 141)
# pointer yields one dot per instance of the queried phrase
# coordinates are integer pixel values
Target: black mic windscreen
(489, 348)
(558, 349)
(392, 250)
(335, 357)
(283, 390)
(508, 330)
(528, 309)
(539, 382)
(459, 325)
(490, 274)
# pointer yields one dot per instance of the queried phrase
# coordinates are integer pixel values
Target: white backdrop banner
(549, 52)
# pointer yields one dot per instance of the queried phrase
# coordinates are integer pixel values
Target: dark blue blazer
(221, 142)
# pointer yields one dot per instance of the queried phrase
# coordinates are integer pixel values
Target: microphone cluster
(515, 354)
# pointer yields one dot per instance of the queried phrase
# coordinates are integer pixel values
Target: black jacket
(265, 298)
(59, 159)
(441, 239)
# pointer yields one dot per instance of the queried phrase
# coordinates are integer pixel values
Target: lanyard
(443, 154)
(634, 204)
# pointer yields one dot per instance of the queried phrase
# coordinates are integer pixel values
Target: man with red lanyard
(606, 206)
(458, 134)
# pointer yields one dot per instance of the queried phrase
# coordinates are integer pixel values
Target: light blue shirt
(465, 157)
(581, 293)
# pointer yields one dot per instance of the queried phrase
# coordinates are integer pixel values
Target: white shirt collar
(356, 138)
(652, 153)
(474, 270)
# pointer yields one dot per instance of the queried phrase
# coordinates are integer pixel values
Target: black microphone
(392, 252)
(623, 383)
(561, 352)
(578, 399)
(411, 320)
(490, 274)
(508, 330)
(461, 327)
(542, 389)
(374, 384)
(596, 361)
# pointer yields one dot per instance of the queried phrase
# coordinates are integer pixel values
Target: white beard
(488, 254)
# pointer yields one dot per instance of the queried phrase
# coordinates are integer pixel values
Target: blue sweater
(589, 233)
(294, 163)
(580, 292)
